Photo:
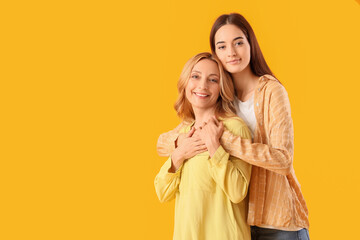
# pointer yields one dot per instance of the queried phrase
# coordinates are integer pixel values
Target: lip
(234, 61)
(201, 95)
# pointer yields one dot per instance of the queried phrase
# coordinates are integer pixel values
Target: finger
(191, 132)
(198, 151)
(196, 133)
(201, 148)
(199, 145)
(197, 142)
(211, 122)
(203, 124)
(196, 137)
(215, 121)
(221, 126)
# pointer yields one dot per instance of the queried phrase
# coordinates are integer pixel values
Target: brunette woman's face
(203, 87)
(232, 48)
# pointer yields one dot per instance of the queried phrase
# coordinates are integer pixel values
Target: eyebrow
(233, 40)
(213, 74)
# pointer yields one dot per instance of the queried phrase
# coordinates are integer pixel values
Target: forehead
(228, 32)
(206, 65)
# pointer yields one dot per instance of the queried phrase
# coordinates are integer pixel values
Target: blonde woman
(210, 187)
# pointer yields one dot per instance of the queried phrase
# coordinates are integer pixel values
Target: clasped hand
(206, 137)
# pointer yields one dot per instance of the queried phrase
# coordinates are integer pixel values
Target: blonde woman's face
(203, 87)
(232, 48)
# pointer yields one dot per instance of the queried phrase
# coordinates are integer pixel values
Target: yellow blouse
(210, 193)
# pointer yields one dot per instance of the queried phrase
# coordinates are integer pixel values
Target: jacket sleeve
(230, 173)
(276, 156)
(167, 183)
(166, 142)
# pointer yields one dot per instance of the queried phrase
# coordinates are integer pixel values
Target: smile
(201, 94)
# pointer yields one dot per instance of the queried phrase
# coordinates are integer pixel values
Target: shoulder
(236, 126)
(270, 84)
(272, 89)
(186, 126)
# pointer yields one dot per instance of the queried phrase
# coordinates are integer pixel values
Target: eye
(213, 80)
(221, 47)
(195, 76)
(239, 43)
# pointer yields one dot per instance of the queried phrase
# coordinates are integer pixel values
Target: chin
(235, 69)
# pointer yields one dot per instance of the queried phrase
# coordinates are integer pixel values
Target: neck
(202, 115)
(245, 83)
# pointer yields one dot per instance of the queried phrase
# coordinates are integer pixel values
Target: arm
(231, 174)
(277, 155)
(167, 183)
(166, 142)
(168, 180)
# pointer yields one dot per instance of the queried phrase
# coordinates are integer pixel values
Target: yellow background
(88, 86)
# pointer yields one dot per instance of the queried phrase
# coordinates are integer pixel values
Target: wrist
(176, 161)
(212, 146)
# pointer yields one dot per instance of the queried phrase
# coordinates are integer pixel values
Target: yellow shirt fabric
(211, 193)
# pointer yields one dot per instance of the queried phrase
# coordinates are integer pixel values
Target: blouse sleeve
(230, 173)
(166, 142)
(276, 156)
(167, 183)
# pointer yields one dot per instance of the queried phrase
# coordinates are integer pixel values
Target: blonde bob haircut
(224, 105)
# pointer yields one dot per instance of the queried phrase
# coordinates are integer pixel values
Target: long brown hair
(224, 104)
(258, 64)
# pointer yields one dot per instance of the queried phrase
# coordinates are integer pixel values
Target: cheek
(223, 61)
(217, 92)
(247, 52)
(187, 94)
(188, 91)
(221, 56)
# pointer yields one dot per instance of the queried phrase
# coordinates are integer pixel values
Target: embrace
(230, 161)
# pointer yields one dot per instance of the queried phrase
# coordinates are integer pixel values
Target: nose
(231, 51)
(203, 84)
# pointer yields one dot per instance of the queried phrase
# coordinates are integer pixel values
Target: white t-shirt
(245, 110)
